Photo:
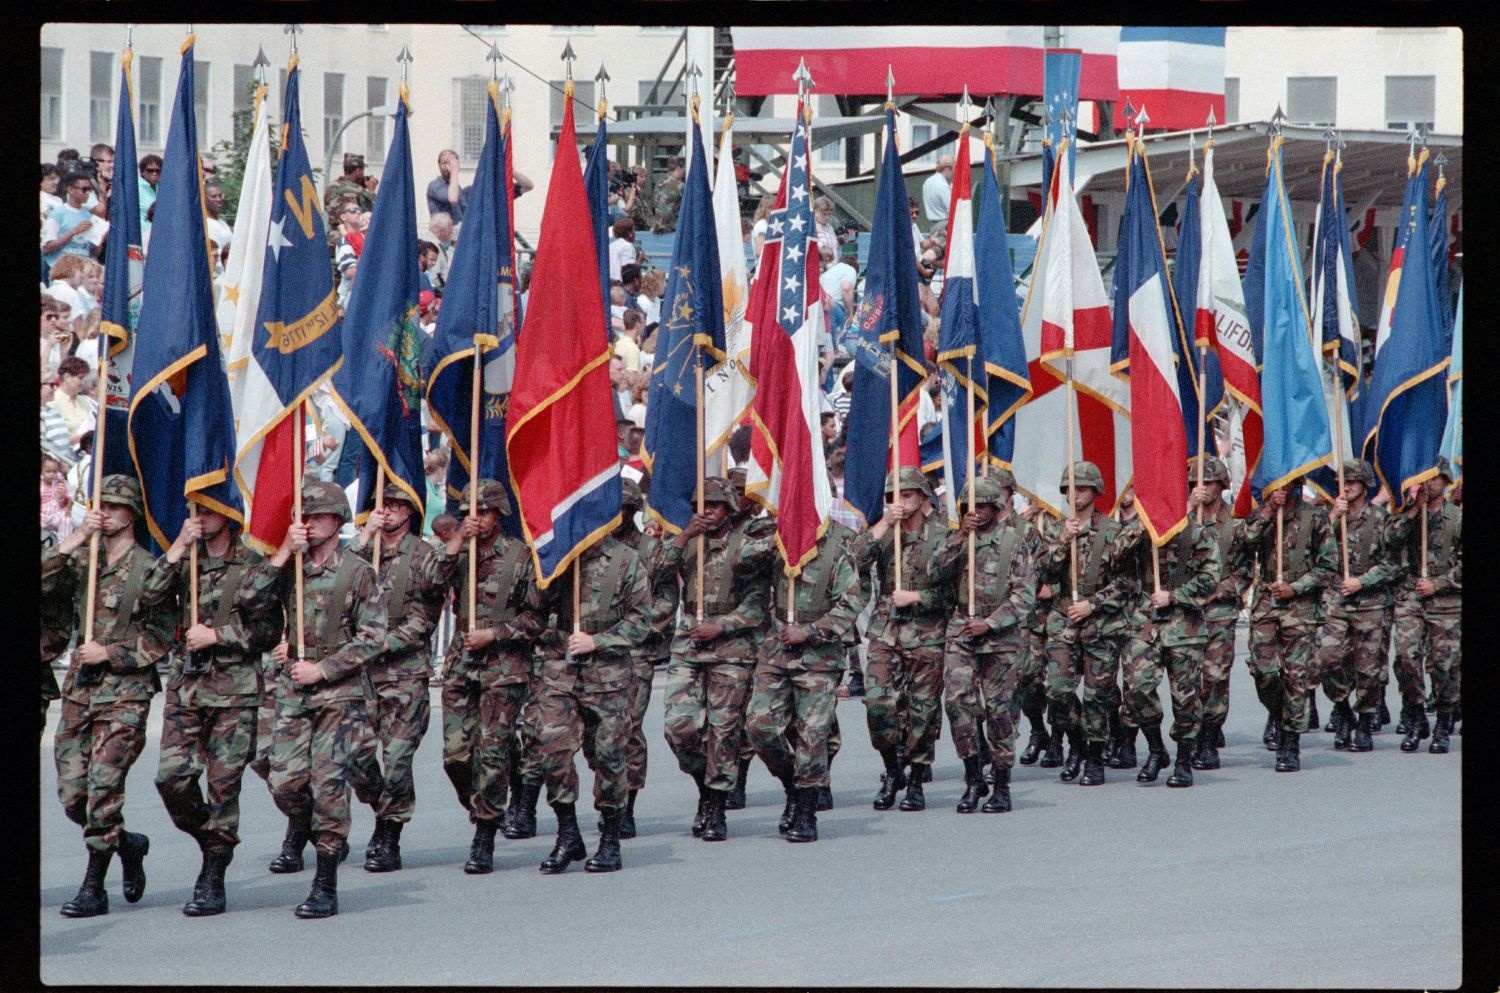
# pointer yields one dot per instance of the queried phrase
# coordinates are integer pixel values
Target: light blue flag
(1453, 432)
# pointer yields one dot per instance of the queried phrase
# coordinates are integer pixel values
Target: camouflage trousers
(705, 718)
(94, 750)
(1218, 661)
(1434, 638)
(1031, 669)
(1281, 660)
(904, 699)
(265, 730)
(638, 700)
(1349, 656)
(317, 754)
(212, 743)
(1095, 662)
(977, 692)
(1142, 664)
(598, 723)
(479, 741)
(1412, 648)
(403, 710)
(790, 719)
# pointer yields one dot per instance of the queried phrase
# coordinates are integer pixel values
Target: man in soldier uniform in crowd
(351, 185)
(1430, 612)
(984, 644)
(1168, 633)
(1350, 660)
(208, 723)
(1084, 631)
(1285, 615)
(1221, 609)
(325, 738)
(708, 678)
(488, 666)
(584, 690)
(107, 692)
(1031, 664)
(904, 663)
(791, 713)
(668, 197)
(414, 581)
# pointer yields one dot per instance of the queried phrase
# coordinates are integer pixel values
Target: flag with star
(691, 336)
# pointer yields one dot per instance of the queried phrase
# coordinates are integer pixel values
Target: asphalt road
(1250, 878)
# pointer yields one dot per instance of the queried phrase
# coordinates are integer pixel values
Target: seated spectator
(57, 521)
(81, 479)
(653, 285)
(617, 300)
(353, 221)
(427, 258)
(56, 336)
(627, 343)
(622, 250)
(70, 229)
(77, 410)
(837, 281)
(441, 229)
(54, 432)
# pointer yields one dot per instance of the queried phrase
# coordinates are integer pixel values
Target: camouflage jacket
(137, 635)
(1309, 560)
(655, 646)
(1103, 581)
(414, 582)
(1445, 555)
(1190, 566)
(504, 574)
(346, 187)
(828, 603)
(927, 620)
(1374, 560)
(666, 201)
(344, 635)
(56, 629)
(614, 606)
(1004, 581)
(1036, 534)
(1228, 534)
(237, 598)
(738, 571)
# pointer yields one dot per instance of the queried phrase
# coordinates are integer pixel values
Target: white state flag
(727, 392)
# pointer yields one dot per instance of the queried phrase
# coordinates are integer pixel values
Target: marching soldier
(413, 579)
(585, 685)
(983, 648)
(209, 722)
(791, 714)
(488, 668)
(1429, 614)
(1350, 660)
(757, 526)
(106, 694)
(325, 739)
(1084, 635)
(1031, 665)
(1221, 609)
(1284, 617)
(708, 678)
(904, 670)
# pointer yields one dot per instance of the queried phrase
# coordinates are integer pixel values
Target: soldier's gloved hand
(201, 636)
(706, 631)
(793, 634)
(91, 653)
(1283, 591)
(580, 643)
(1079, 610)
(479, 639)
(1161, 599)
(1425, 587)
(904, 598)
(976, 627)
(1351, 586)
(305, 673)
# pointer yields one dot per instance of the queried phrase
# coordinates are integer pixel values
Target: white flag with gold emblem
(727, 392)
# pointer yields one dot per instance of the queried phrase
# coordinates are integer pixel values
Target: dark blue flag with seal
(124, 269)
(596, 185)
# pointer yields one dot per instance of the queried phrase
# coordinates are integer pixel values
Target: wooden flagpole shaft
(577, 597)
(896, 462)
(1280, 516)
(379, 506)
(297, 457)
(969, 444)
(1202, 416)
(98, 457)
(698, 381)
(474, 481)
(1072, 483)
(193, 572)
(1338, 462)
(1422, 513)
(791, 599)
(1155, 568)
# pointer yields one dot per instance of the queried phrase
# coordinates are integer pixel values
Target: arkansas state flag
(564, 470)
(1143, 303)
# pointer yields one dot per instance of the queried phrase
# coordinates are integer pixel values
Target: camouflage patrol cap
(630, 494)
(908, 478)
(394, 492)
(717, 489)
(987, 489)
(737, 475)
(1084, 474)
(321, 497)
(491, 497)
(122, 490)
(1445, 468)
(1214, 471)
(1359, 471)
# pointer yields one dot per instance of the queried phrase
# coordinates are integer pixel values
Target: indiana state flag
(124, 270)
(691, 337)
(181, 431)
(379, 386)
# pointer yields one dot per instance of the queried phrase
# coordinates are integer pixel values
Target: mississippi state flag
(787, 472)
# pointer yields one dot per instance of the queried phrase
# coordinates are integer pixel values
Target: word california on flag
(565, 472)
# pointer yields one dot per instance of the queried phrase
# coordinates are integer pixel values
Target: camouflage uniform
(208, 725)
(1431, 626)
(56, 633)
(1031, 662)
(667, 200)
(1221, 611)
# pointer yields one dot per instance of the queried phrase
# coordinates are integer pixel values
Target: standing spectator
(630, 282)
(622, 250)
(627, 343)
(828, 238)
(838, 288)
(759, 224)
(54, 432)
(150, 176)
(440, 226)
(56, 337)
(81, 479)
(103, 157)
(918, 242)
(350, 247)
(653, 285)
(351, 185)
(70, 229)
(446, 195)
(76, 409)
(937, 190)
(435, 469)
(57, 522)
(213, 205)
(641, 213)
(427, 256)
(67, 289)
(51, 177)
(669, 197)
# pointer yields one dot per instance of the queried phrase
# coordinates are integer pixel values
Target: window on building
(471, 101)
(244, 96)
(375, 89)
(200, 102)
(101, 127)
(333, 111)
(148, 103)
(1410, 100)
(1231, 100)
(583, 103)
(1312, 99)
(52, 93)
(833, 152)
(924, 131)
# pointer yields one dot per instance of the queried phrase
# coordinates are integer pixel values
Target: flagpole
(576, 597)
(1202, 417)
(379, 507)
(297, 456)
(896, 461)
(193, 572)
(1333, 372)
(1280, 516)
(791, 599)
(969, 444)
(698, 425)
(98, 466)
(474, 479)
(1422, 512)
(1072, 482)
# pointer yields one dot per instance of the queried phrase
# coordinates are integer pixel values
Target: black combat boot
(482, 849)
(1037, 743)
(1208, 752)
(520, 818)
(804, 825)
(133, 850)
(607, 858)
(627, 817)
(323, 899)
(1335, 718)
(1363, 728)
(1431, 705)
(1404, 724)
(974, 787)
(1112, 731)
(208, 895)
(1382, 717)
(789, 811)
(375, 837)
(999, 801)
(715, 827)
(1074, 762)
(290, 859)
(891, 783)
(914, 800)
(569, 845)
(1271, 738)
(1125, 749)
(856, 681)
(1342, 720)
(1218, 734)
(1312, 709)
(1289, 758)
(1441, 729)
(1093, 765)
(1052, 756)
(825, 798)
(702, 813)
(1156, 759)
(91, 900)
(926, 773)
(1182, 771)
(735, 798)
(387, 855)
(1416, 730)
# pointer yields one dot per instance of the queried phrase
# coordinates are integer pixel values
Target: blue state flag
(1453, 432)
(596, 185)
(124, 270)
(180, 427)
(1335, 323)
(1197, 407)
(379, 386)
(479, 310)
(691, 336)
(1061, 69)
(1001, 344)
(1437, 229)
(1296, 413)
